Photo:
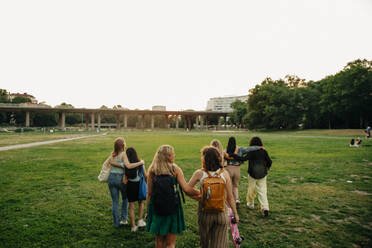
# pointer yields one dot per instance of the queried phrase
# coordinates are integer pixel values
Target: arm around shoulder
(184, 185)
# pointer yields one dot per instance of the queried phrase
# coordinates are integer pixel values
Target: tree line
(343, 100)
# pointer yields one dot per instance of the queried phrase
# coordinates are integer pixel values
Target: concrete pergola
(121, 115)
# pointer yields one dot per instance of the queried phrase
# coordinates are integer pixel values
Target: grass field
(319, 190)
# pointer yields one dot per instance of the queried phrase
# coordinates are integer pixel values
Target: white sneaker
(141, 223)
(123, 222)
(250, 206)
(134, 229)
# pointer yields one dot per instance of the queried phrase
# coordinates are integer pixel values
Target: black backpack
(165, 195)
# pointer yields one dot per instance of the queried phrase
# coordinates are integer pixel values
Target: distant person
(368, 132)
(358, 142)
(115, 181)
(352, 142)
(165, 216)
(259, 165)
(217, 144)
(212, 214)
(233, 165)
(133, 176)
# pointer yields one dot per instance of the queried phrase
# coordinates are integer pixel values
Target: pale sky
(174, 53)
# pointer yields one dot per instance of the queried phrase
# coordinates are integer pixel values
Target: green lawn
(9, 139)
(319, 190)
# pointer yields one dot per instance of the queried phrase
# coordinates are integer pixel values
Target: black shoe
(266, 212)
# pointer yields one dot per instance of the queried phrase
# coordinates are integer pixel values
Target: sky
(174, 53)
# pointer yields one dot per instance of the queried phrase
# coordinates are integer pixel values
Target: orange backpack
(213, 193)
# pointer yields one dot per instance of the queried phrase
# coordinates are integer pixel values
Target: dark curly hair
(256, 141)
(212, 158)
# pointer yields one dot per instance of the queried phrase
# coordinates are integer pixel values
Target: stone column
(118, 121)
(152, 121)
(225, 120)
(142, 121)
(92, 121)
(87, 121)
(201, 122)
(99, 121)
(27, 119)
(62, 120)
(219, 122)
(177, 121)
(125, 121)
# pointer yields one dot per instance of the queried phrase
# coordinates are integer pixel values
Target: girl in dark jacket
(259, 164)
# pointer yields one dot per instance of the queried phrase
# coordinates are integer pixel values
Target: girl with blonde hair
(115, 181)
(217, 144)
(165, 216)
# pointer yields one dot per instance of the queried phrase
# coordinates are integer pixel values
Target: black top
(259, 163)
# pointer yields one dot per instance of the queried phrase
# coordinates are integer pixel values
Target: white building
(223, 103)
(159, 108)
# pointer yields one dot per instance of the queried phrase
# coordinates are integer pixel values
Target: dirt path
(20, 146)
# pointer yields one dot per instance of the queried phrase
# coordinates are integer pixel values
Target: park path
(20, 146)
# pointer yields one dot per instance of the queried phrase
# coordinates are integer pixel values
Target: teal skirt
(162, 225)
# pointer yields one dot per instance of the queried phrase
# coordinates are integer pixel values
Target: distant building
(159, 108)
(223, 104)
(14, 95)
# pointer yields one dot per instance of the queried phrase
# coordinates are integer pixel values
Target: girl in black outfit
(259, 164)
(133, 177)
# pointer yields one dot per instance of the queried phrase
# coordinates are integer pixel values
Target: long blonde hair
(162, 164)
(217, 144)
(119, 145)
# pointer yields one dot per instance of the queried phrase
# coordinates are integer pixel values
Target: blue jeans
(115, 184)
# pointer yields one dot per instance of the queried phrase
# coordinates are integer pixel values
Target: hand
(142, 161)
(196, 197)
(237, 218)
(125, 180)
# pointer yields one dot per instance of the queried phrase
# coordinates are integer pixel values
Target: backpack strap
(175, 185)
(220, 172)
(206, 171)
(209, 174)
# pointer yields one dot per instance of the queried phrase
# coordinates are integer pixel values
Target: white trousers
(257, 186)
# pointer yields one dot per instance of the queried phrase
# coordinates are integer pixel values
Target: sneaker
(250, 206)
(123, 222)
(134, 229)
(141, 223)
(237, 203)
(266, 212)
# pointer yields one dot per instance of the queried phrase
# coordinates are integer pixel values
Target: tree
(4, 96)
(45, 120)
(239, 111)
(20, 117)
(21, 99)
(64, 105)
(275, 104)
(346, 97)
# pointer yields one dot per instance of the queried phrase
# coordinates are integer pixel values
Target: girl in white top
(213, 226)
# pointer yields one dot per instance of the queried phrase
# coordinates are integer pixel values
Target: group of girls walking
(165, 180)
